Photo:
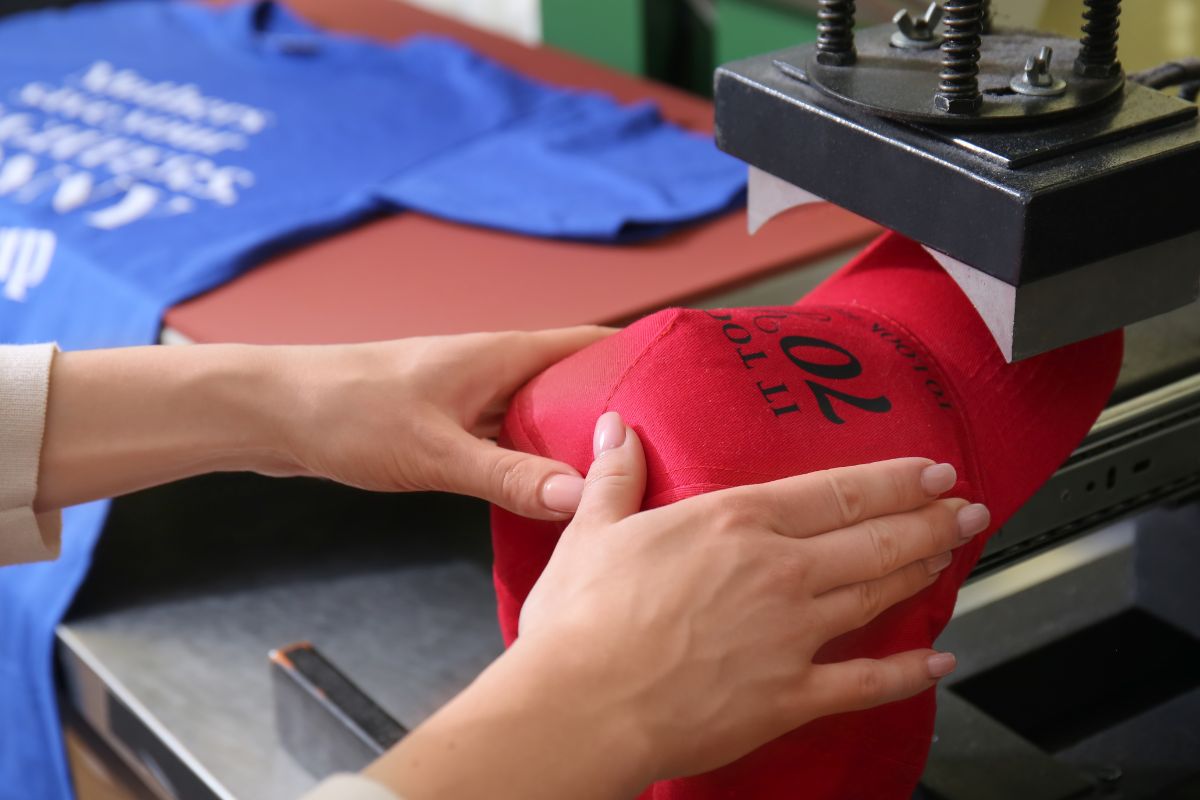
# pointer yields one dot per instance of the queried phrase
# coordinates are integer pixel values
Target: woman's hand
(673, 641)
(411, 414)
(418, 414)
(708, 612)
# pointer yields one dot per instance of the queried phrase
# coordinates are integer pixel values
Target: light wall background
(520, 19)
(1152, 31)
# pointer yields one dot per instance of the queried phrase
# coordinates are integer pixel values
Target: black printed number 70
(834, 372)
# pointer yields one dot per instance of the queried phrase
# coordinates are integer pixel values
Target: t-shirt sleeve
(24, 389)
(349, 787)
(579, 166)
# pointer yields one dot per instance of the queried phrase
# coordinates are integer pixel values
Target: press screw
(958, 86)
(1098, 45)
(835, 33)
(916, 33)
(1036, 79)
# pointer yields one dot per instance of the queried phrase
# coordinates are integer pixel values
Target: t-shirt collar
(273, 26)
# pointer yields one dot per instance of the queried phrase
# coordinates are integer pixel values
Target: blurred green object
(662, 39)
(675, 41)
(612, 32)
(748, 27)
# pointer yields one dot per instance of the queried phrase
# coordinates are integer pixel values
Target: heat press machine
(1057, 191)
(1049, 186)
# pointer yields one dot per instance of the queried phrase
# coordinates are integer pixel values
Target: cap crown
(885, 359)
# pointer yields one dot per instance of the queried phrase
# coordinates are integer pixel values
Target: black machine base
(1084, 685)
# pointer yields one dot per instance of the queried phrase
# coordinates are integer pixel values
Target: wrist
(594, 701)
(127, 419)
(242, 400)
(540, 722)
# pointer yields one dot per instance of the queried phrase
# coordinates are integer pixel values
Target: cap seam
(529, 431)
(650, 345)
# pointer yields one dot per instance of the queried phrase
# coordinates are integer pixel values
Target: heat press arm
(1056, 197)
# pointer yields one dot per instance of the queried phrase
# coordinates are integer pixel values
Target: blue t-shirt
(150, 151)
(167, 147)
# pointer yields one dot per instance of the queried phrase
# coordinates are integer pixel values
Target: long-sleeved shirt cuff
(349, 787)
(24, 391)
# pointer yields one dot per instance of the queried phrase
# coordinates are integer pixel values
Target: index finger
(538, 350)
(818, 502)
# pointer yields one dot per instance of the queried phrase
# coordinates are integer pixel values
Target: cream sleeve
(349, 787)
(24, 387)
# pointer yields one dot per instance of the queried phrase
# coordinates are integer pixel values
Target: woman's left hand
(411, 414)
(419, 414)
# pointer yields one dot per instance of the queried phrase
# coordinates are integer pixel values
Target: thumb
(524, 484)
(616, 482)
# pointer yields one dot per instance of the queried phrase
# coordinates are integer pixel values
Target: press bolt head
(957, 105)
(1036, 79)
(933, 15)
(836, 59)
(916, 31)
(1037, 68)
(1097, 70)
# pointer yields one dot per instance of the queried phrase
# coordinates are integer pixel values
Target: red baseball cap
(885, 359)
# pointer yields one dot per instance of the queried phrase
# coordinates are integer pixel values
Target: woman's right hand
(673, 641)
(707, 613)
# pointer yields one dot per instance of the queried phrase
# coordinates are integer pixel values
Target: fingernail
(941, 664)
(562, 492)
(610, 433)
(938, 478)
(973, 519)
(938, 563)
